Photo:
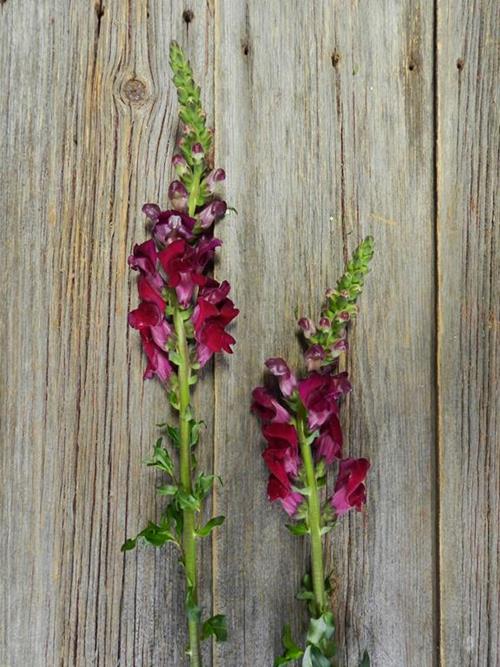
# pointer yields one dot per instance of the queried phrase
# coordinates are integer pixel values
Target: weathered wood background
(333, 119)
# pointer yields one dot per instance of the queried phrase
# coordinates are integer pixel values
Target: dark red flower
(319, 394)
(281, 455)
(287, 380)
(148, 293)
(289, 499)
(172, 225)
(267, 408)
(155, 331)
(350, 490)
(213, 312)
(184, 265)
(144, 258)
(158, 362)
(329, 442)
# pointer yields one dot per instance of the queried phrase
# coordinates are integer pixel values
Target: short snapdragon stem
(188, 536)
(314, 518)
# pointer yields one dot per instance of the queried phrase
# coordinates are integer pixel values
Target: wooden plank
(469, 317)
(88, 118)
(324, 124)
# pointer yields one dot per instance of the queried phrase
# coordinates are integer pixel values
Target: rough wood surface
(330, 117)
(469, 320)
(330, 137)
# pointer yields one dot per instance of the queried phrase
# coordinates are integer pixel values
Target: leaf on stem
(292, 650)
(215, 626)
(161, 459)
(210, 525)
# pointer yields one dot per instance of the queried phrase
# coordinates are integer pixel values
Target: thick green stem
(314, 519)
(188, 537)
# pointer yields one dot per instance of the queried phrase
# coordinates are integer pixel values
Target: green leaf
(314, 658)
(157, 535)
(129, 544)
(292, 650)
(210, 525)
(173, 434)
(365, 662)
(195, 431)
(161, 459)
(175, 357)
(320, 629)
(167, 490)
(299, 528)
(187, 501)
(216, 626)
(203, 485)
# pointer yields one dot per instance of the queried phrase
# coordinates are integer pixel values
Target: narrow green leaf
(299, 528)
(365, 662)
(161, 459)
(292, 650)
(129, 544)
(187, 501)
(210, 525)
(216, 626)
(167, 490)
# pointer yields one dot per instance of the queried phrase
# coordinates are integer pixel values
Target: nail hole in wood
(99, 10)
(336, 57)
(412, 66)
(188, 16)
(460, 64)
(246, 49)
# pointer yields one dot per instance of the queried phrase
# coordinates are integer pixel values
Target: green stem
(194, 190)
(314, 519)
(188, 536)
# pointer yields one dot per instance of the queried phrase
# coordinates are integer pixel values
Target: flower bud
(151, 211)
(214, 177)
(341, 346)
(180, 165)
(211, 213)
(178, 195)
(324, 324)
(329, 293)
(344, 316)
(197, 152)
(314, 356)
(307, 326)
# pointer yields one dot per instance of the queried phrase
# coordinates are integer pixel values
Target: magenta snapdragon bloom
(350, 490)
(176, 259)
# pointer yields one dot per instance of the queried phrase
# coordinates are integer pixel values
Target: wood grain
(324, 120)
(90, 116)
(333, 120)
(469, 317)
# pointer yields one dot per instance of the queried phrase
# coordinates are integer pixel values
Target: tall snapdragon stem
(188, 536)
(314, 518)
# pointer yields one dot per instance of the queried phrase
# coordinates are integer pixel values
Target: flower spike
(300, 423)
(182, 319)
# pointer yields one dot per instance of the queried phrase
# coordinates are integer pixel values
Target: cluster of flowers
(318, 395)
(172, 266)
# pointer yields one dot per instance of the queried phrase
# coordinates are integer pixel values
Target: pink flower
(173, 225)
(178, 195)
(267, 408)
(319, 394)
(213, 312)
(286, 379)
(211, 213)
(350, 490)
(329, 442)
(314, 356)
(144, 258)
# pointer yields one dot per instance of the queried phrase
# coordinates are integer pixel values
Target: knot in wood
(134, 91)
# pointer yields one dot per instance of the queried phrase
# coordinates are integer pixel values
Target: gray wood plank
(88, 120)
(324, 124)
(469, 316)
